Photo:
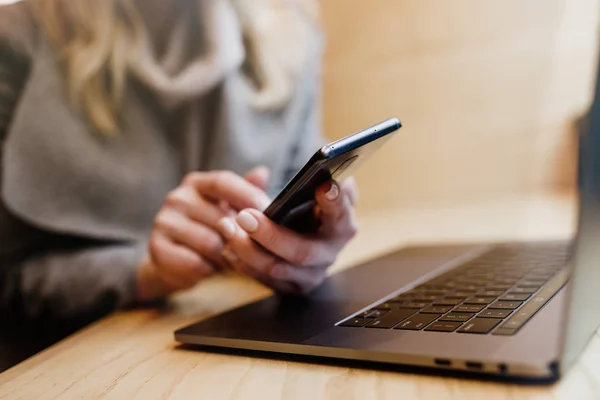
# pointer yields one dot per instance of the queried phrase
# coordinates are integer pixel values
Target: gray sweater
(76, 209)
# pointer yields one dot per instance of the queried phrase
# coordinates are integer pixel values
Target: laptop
(514, 311)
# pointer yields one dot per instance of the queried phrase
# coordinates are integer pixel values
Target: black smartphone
(294, 205)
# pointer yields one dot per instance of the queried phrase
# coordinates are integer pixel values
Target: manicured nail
(227, 228)
(229, 256)
(247, 221)
(333, 192)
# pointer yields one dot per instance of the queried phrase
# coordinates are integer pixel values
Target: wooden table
(133, 355)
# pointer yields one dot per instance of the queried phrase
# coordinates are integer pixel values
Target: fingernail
(229, 256)
(227, 228)
(333, 192)
(247, 221)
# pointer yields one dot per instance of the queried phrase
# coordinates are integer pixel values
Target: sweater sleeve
(13, 73)
(62, 289)
(47, 278)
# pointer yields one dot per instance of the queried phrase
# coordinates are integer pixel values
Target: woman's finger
(196, 236)
(188, 201)
(337, 214)
(350, 189)
(259, 177)
(255, 262)
(301, 283)
(179, 266)
(240, 244)
(288, 245)
(244, 269)
(229, 187)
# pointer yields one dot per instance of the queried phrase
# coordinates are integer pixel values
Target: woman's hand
(185, 246)
(290, 262)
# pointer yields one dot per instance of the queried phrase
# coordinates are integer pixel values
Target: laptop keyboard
(495, 293)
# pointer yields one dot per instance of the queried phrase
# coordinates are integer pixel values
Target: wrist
(150, 286)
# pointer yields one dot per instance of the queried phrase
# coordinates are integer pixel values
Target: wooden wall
(486, 90)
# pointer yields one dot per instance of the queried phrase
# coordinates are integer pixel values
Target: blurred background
(487, 91)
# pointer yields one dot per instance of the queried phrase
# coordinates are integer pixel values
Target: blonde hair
(95, 39)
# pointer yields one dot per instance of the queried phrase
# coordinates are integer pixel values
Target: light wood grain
(486, 89)
(132, 355)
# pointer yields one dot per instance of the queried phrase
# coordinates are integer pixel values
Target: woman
(131, 132)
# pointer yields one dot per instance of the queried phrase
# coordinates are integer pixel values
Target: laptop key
(477, 282)
(506, 305)
(531, 283)
(417, 322)
(516, 322)
(457, 316)
(424, 299)
(355, 322)
(376, 313)
(494, 314)
(385, 306)
(414, 305)
(391, 319)
(448, 285)
(469, 288)
(513, 275)
(471, 308)
(489, 293)
(498, 286)
(505, 281)
(513, 297)
(482, 275)
(434, 292)
(448, 302)
(480, 300)
(460, 295)
(364, 314)
(538, 275)
(504, 331)
(479, 325)
(520, 290)
(541, 270)
(436, 309)
(443, 326)
(403, 298)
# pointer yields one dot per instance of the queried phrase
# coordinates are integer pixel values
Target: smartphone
(294, 206)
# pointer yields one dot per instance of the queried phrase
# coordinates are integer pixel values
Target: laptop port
(443, 362)
(474, 365)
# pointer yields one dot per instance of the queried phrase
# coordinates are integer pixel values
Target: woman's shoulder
(18, 29)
